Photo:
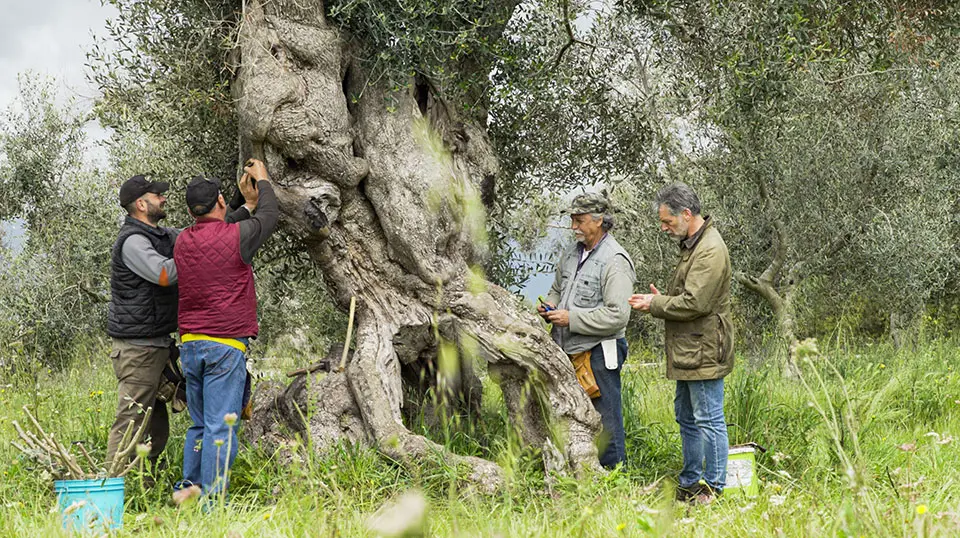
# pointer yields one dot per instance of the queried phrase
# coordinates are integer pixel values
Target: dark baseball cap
(202, 194)
(137, 186)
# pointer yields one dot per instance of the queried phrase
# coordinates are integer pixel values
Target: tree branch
(779, 238)
(571, 39)
(867, 74)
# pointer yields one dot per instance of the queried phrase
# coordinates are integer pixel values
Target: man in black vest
(142, 311)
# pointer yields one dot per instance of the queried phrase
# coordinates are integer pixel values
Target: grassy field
(862, 445)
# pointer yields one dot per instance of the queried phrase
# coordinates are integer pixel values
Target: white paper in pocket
(609, 354)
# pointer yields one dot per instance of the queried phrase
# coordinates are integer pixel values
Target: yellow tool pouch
(581, 365)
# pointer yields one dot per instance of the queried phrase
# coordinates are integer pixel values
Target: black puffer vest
(139, 308)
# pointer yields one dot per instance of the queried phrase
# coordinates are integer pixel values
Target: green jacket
(696, 310)
(596, 295)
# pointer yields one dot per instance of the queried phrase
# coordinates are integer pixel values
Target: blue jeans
(703, 432)
(612, 445)
(215, 374)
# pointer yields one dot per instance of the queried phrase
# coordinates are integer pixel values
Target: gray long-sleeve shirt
(144, 260)
(254, 230)
(140, 257)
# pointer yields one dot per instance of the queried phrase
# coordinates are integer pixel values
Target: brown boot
(706, 495)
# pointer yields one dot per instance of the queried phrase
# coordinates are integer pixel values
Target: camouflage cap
(589, 202)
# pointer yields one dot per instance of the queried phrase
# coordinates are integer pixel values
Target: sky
(49, 38)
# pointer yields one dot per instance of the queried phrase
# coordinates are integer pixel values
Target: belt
(232, 342)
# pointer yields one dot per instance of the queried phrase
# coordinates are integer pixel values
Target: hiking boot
(687, 494)
(706, 495)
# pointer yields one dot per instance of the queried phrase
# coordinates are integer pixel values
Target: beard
(155, 213)
(681, 233)
(677, 236)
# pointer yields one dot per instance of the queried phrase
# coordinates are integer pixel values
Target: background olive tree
(823, 141)
(54, 285)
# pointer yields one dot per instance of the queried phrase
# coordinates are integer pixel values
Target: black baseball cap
(202, 194)
(137, 186)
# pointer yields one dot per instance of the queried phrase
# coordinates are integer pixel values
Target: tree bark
(783, 313)
(387, 202)
(780, 298)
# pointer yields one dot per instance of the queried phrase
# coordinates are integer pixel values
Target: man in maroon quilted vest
(217, 319)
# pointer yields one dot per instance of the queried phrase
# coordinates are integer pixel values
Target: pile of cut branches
(46, 450)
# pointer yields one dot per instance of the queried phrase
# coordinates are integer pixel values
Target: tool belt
(173, 386)
(581, 365)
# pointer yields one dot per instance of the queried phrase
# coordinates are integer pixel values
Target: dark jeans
(216, 374)
(612, 442)
(138, 370)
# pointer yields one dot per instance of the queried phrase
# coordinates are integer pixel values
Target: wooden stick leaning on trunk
(346, 343)
(343, 358)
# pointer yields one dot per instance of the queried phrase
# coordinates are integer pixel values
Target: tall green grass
(861, 445)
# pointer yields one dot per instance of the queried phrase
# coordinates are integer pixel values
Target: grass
(862, 445)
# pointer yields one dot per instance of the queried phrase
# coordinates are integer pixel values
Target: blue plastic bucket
(90, 504)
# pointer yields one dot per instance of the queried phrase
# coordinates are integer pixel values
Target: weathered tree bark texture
(383, 187)
(778, 282)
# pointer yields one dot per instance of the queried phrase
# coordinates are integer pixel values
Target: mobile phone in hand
(544, 304)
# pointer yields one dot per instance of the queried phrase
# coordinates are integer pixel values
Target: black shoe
(689, 493)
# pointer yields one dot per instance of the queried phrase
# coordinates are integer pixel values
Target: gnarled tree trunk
(387, 202)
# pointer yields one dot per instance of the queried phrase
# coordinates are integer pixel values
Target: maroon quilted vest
(217, 297)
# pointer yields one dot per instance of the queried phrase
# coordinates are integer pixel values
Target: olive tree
(372, 119)
(54, 285)
(826, 137)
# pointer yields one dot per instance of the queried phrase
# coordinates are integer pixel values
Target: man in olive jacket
(587, 306)
(699, 339)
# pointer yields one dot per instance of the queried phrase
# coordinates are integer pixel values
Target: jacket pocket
(725, 337)
(586, 299)
(688, 351)
(587, 294)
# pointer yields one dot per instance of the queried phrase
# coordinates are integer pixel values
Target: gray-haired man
(699, 338)
(588, 307)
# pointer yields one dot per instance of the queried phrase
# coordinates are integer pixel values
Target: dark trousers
(612, 442)
(138, 370)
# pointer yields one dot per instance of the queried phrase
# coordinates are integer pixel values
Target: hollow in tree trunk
(385, 189)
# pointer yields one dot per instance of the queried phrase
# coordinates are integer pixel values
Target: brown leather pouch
(581, 365)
